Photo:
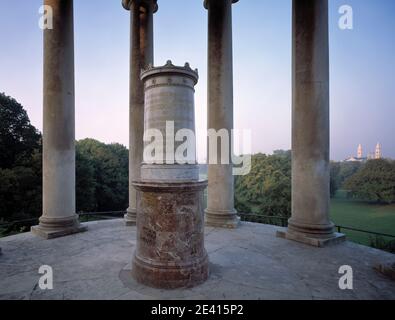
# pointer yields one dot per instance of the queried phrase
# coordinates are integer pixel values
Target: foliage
(375, 182)
(85, 182)
(101, 170)
(267, 189)
(20, 163)
(340, 172)
(20, 191)
(382, 244)
(18, 138)
(102, 176)
(334, 182)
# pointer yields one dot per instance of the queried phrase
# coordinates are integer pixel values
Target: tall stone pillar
(220, 211)
(141, 55)
(310, 222)
(59, 217)
(170, 249)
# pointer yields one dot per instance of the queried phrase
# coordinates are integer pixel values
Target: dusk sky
(362, 68)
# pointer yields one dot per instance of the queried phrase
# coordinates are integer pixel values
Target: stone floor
(247, 263)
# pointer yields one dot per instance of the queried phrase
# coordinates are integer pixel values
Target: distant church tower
(378, 154)
(359, 153)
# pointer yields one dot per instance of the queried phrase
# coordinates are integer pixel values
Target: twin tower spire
(377, 154)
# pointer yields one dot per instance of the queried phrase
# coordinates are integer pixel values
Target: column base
(130, 218)
(165, 276)
(57, 228)
(314, 241)
(225, 219)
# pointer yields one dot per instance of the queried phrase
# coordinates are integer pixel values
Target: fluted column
(220, 211)
(59, 217)
(310, 222)
(141, 55)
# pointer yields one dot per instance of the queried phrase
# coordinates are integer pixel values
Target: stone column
(141, 55)
(220, 211)
(310, 221)
(59, 217)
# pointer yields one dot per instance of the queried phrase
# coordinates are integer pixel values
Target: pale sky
(362, 68)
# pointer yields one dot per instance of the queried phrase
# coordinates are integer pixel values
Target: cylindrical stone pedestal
(170, 249)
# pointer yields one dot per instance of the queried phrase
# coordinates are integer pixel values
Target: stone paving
(246, 263)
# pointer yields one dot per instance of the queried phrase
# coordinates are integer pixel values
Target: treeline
(20, 163)
(101, 169)
(267, 189)
(102, 175)
(373, 181)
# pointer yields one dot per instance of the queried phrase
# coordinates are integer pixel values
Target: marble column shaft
(141, 55)
(220, 211)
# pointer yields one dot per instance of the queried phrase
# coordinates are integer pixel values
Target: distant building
(355, 159)
(378, 154)
(360, 154)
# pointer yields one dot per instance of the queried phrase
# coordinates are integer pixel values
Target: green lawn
(362, 215)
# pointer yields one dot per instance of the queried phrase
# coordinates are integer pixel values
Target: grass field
(362, 215)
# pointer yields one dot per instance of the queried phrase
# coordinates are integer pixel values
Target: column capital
(206, 3)
(154, 3)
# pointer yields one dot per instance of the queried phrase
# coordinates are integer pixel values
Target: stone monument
(170, 249)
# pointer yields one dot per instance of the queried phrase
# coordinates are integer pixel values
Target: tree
(102, 176)
(21, 191)
(20, 163)
(18, 138)
(267, 189)
(340, 172)
(85, 182)
(375, 181)
(334, 182)
(101, 170)
(348, 169)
